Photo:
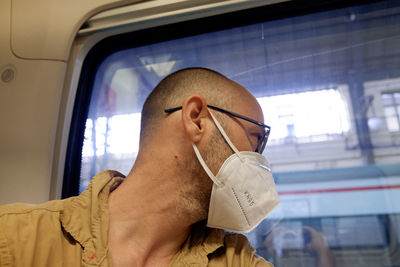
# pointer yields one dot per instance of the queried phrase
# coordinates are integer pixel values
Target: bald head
(175, 88)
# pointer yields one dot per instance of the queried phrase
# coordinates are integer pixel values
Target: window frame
(109, 45)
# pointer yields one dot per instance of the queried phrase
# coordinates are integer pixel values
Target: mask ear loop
(200, 158)
(221, 130)
(205, 167)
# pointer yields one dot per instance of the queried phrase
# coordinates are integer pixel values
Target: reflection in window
(391, 107)
(319, 114)
(118, 134)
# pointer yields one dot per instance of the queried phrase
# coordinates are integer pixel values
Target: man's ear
(194, 116)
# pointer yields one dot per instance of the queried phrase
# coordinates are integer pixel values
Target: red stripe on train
(333, 190)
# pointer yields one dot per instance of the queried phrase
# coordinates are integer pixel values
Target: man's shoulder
(17, 209)
(18, 217)
(57, 206)
(32, 235)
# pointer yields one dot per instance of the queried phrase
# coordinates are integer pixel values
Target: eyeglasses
(261, 143)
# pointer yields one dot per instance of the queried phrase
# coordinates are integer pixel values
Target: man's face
(217, 150)
(243, 134)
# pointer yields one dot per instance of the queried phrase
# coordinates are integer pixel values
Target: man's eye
(258, 138)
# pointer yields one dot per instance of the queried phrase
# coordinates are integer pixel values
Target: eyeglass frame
(267, 129)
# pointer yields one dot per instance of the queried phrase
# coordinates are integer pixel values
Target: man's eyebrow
(257, 129)
(252, 131)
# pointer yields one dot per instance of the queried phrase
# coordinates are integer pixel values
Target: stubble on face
(197, 193)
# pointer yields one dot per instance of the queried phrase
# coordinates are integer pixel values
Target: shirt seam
(32, 209)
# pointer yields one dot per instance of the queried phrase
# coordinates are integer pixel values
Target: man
(156, 215)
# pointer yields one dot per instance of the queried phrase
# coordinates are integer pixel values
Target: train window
(328, 81)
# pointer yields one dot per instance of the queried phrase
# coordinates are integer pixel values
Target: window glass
(392, 110)
(307, 114)
(328, 83)
(397, 97)
(392, 123)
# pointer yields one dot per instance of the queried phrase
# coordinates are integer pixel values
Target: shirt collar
(201, 242)
(86, 217)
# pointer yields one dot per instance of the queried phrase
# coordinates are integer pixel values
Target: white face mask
(244, 191)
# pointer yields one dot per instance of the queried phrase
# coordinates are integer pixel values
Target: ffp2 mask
(243, 192)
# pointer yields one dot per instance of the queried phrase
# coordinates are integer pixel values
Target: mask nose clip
(264, 167)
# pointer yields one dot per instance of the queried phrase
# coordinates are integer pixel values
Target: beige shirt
(74, 232)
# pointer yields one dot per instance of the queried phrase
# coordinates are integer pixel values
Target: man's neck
(148, 224)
